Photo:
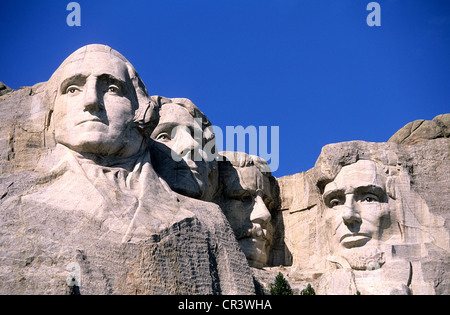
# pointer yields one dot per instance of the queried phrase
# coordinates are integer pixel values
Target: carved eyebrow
(79, 79)
(113, 80)
(233, 193)
(328, 195)
(371, 189)
(167, 126)
(170, 125)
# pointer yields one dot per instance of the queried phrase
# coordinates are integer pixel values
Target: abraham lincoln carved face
(357, 202)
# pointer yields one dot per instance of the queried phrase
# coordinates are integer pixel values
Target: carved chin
(100, 142)
(94, 146)
(255, 250)
(365, 258)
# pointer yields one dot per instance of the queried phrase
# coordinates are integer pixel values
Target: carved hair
(336, 156)
(193, 110)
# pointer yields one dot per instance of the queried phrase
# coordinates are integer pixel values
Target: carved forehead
(102, 51)
(98, 58)
(252, 178)
(246, 178)
(172, 113)
(96, 63)
(359, 174)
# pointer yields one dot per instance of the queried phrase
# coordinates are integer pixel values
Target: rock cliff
(370, 218)
(51, 247)
(414, 239)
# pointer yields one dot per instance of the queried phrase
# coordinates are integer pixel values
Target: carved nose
(260, 214)
(92, 99)
(351, 216)
(185, 144)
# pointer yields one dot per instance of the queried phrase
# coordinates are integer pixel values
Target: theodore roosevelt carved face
(245, 202)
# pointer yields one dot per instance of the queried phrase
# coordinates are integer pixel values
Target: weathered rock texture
(4, 89)
(415, 240)
(372, 218)
(23, 118)
(39, 245)
(54, 241)
(420, 130)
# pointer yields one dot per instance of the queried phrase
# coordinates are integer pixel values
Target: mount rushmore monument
(105, 189)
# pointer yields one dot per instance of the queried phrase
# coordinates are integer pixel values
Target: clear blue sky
(312, 67)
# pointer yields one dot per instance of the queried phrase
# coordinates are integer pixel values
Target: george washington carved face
(96, 104)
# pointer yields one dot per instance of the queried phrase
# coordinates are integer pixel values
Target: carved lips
(354, 239)
(94, 119)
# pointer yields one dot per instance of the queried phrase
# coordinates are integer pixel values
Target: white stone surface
(92, 200)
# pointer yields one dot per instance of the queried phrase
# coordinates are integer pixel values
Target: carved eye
(335, 202)
(113, 89)
(73, 89)
(246, 198)
(243, 196)
(163, 136)
(370, 198)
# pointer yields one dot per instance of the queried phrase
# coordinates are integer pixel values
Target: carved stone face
(95, 107)
(357, 201)
(178, 154)
(246, 197)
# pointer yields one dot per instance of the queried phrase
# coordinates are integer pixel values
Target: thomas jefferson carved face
(95, 106)
(181, 154)
(357, 202)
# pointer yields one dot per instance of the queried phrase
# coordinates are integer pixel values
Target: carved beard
(364, 259)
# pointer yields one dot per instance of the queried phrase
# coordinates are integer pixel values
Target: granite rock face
(23, 129)
(101, 193)
(400, 194)
(4, 89)
(40, 245)
(82, 209)
(420, 130)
